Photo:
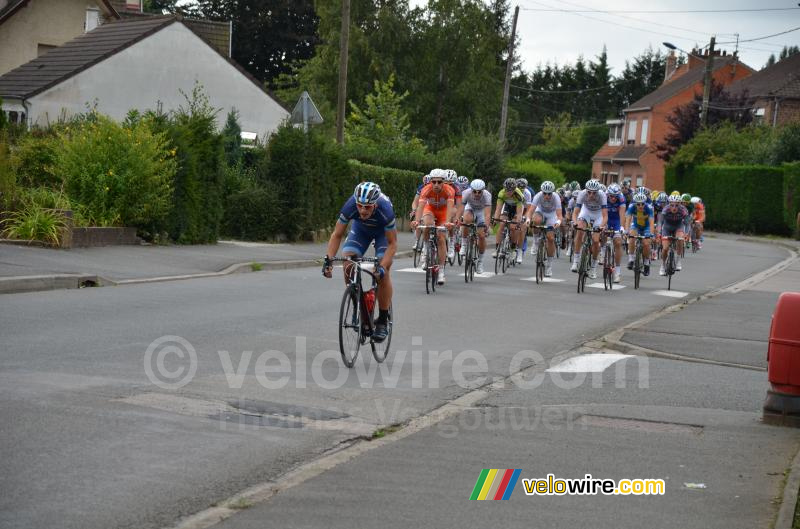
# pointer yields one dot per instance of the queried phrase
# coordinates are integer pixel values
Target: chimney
(696, 60)
(672, 62)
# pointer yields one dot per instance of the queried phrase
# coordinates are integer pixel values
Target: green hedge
(534, 171)
(737, 198)
(399, 185)
(575, 171)
(252, 215)
(310, 177)
(791, 195)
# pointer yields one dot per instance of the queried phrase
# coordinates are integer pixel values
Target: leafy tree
(685, 119)
(160, 6)
(232, 138)
(268, 35)
(383, 122)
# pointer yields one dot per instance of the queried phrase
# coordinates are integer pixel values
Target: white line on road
(546, 279)
(589, 363)
(415, 270)
(601, 285)
(671, 293)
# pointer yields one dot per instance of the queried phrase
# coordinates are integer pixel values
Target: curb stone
(39, 283)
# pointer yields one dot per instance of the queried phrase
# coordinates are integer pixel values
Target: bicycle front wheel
(380, 350)
(350, 329)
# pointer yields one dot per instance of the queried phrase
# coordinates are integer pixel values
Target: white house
(137, 63)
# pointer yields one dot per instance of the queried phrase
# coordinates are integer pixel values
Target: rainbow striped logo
(495, 484)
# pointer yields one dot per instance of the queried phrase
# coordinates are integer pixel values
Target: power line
(617, 24)
(664, 11)
(705, 34)
(765, 37)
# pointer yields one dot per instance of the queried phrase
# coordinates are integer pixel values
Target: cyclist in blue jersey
(671, 224)
(639, 220)
(371, 218)
(615, 204)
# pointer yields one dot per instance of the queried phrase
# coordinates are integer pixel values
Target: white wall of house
(41, 22)
(155, 69)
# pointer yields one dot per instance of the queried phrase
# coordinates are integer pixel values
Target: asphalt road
(88, 440)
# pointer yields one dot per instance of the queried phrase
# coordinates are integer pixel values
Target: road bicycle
(357, 312)
(503, 258)
(609, 259)
(471, 252)
(541, 252)
(419, 246)
(570, 240)
(432, 266)
(586, 257)
(670, 266)
(638, 258)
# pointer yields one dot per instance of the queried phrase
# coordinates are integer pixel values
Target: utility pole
(707, 84)
(344, 43)
(507, 86)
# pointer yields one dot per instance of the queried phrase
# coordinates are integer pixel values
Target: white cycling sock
(463, 241)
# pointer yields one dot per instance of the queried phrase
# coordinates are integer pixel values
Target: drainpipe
(775, 114)
(26, 106)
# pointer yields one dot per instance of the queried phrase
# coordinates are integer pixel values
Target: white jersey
(547, 203)
(473, 203)
(528, 199)
(592, 203)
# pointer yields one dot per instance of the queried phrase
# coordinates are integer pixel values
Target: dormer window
(615, 127)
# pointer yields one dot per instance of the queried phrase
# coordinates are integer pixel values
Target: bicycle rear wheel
(350, 331)
(381, 349)
(637, 267)
(670, 268)
(429, 279)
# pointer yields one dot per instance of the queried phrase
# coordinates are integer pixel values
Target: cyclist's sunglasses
(437, 182)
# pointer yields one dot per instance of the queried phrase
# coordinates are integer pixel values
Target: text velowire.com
(589, 486)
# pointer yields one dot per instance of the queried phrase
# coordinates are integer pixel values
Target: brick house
(773, 92)
(630, 149)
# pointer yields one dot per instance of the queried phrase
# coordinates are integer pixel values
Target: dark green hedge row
(306, 180)
(399, 185)
(252, 215)
(580, 172)
(739, 199)
(791, 196)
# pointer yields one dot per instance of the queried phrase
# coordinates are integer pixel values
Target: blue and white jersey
(382, 217)
(613, 202)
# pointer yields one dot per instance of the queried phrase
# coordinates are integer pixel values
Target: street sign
(305, 112)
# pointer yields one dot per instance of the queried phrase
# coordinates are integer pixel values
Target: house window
(615, 135)
(643, 139)
(92, 19)
(639, 180)
(632, 131)
(41, 49)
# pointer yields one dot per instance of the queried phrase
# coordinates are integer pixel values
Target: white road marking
(485, 275)
(601, 285)
(671, 293)
(415, 270)
(546, 279)
(589, 363)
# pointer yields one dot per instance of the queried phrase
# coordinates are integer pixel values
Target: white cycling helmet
(367, 193)
(450, 175)
(603, 188)
(614, 189)
(547, 187)
(674, 199)
(593, 185)
(477, 185)
(640, 198)
(426, 179)
(695, 200)
(462, 181)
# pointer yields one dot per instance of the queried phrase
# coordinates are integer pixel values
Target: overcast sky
(561, 37)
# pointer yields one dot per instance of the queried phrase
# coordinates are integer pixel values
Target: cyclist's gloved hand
(381, 271)
(327, 267)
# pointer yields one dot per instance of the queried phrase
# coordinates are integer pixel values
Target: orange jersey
(436, 200)
(699, 212)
